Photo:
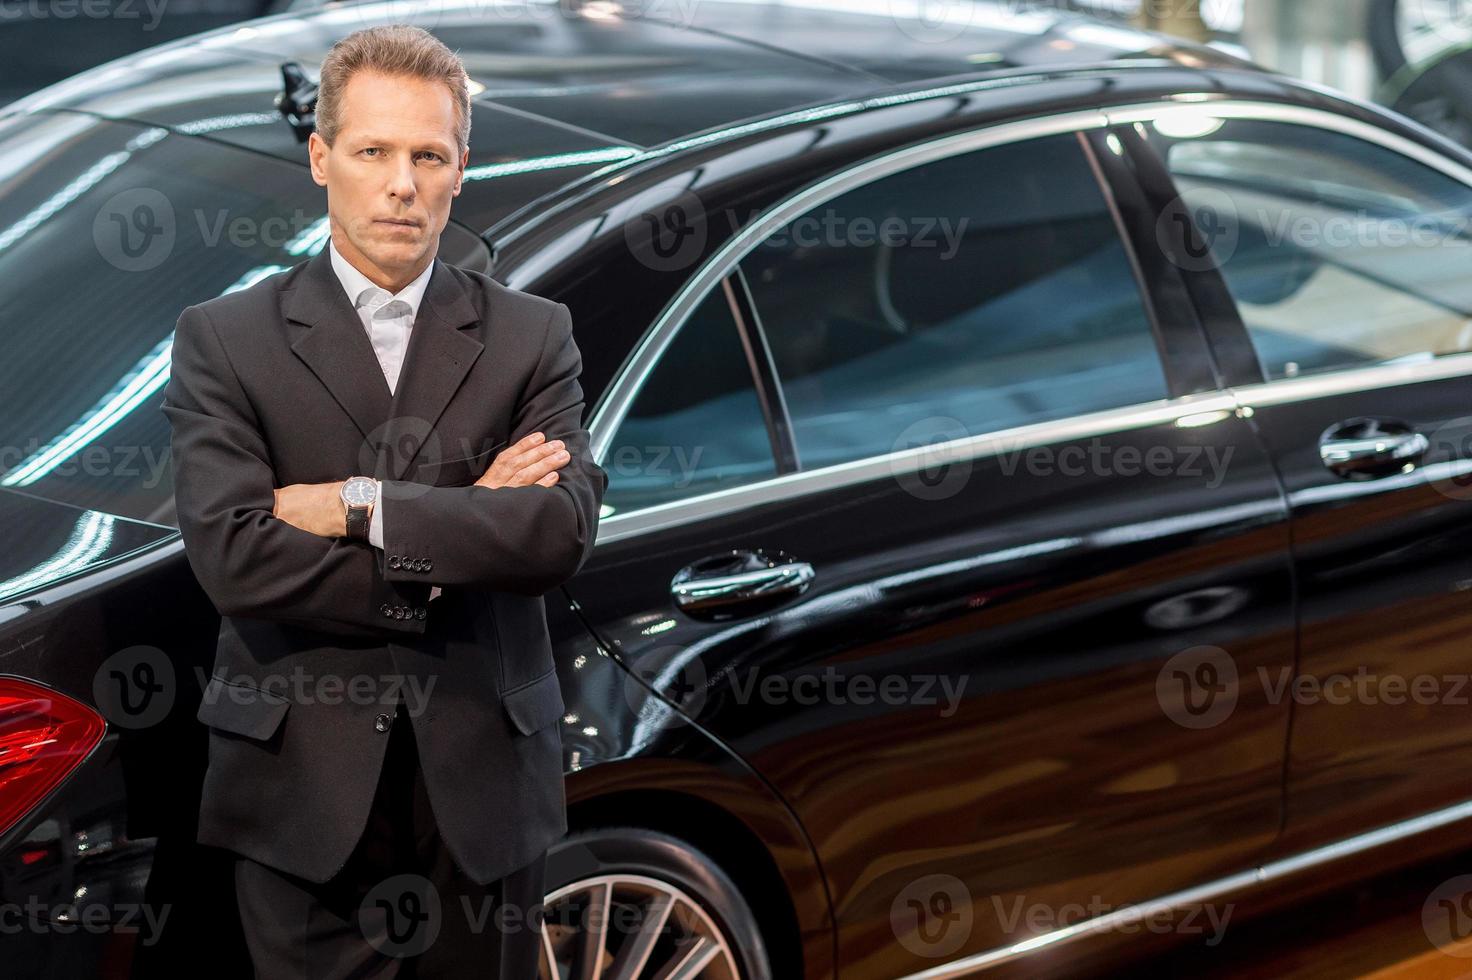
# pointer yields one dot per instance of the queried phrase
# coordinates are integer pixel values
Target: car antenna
(297, 100)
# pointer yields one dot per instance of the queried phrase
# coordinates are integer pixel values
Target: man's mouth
(405, 222)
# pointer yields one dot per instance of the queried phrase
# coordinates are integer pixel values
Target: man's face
(391, 174)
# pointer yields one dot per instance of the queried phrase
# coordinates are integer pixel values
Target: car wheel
(625, 903)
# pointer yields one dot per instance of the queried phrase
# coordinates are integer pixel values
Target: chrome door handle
(1371, 447)
(746, 585)
(729, 584)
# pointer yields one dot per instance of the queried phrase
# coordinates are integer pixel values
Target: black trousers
(400, 907)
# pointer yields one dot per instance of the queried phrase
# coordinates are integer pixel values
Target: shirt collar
(354, 282)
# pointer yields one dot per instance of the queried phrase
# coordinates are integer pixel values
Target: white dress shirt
(387, 319)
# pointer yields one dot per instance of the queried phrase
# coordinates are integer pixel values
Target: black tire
(638, 855)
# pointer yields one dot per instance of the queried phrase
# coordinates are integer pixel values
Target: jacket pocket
(241, 709)
(535, 704)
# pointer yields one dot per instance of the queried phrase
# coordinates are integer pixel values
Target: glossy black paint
(1039, 606)
(1056, 601)
(823, 764)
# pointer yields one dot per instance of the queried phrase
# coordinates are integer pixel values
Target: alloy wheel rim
(631, 927)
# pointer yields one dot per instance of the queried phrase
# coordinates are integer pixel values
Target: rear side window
(1339, 252)
(986, 290)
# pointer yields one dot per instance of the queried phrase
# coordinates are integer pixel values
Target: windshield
(107, 231)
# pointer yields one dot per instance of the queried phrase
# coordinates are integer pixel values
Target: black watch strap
(357, 523)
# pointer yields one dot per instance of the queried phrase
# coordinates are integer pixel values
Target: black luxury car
(1039, 454)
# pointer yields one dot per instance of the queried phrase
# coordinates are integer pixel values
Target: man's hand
(314, 507)
(529, 462)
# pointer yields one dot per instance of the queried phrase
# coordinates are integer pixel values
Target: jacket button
(420, 612)
(382, 722)
(429, 564)
(422, 565)
(394, 562)
(387, 610)
(400, 612)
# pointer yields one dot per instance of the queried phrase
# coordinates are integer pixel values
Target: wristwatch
(359, 494)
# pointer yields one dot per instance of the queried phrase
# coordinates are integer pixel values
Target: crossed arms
(262, 551)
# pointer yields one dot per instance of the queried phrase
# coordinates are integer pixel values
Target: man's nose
(401, 182)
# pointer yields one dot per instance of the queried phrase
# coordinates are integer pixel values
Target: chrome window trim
(895, 464)
(1130, 914)
(1301, 115)
(639, 365)
(1349, 380)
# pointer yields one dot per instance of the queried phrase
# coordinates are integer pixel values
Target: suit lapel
(327, 334)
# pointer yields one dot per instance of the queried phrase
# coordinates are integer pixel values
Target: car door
(1344, 247)
(907, 506)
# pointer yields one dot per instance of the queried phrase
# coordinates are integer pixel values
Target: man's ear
(460, 177)
(317, 154)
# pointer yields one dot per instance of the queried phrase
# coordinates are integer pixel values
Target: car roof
(562, 91)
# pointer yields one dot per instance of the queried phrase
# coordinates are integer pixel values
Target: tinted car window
(1339, 252)
(989, 288)
(107, 231)
(695, 425)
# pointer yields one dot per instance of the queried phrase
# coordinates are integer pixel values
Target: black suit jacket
(278, 384)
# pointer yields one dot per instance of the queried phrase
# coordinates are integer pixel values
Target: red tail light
(44, 735)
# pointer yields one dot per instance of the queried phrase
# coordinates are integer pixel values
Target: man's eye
(432, 155)
(370, 149)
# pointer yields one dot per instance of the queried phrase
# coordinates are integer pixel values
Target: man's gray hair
(391, 49)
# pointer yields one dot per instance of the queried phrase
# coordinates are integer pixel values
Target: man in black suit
(383, 715)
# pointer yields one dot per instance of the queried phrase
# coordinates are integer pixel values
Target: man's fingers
(540, 460)
(527, 462)
(548, 480)
(537, 453)
(516, 450)
(534, 472)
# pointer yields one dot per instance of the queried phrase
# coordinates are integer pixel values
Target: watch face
(359, 491)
